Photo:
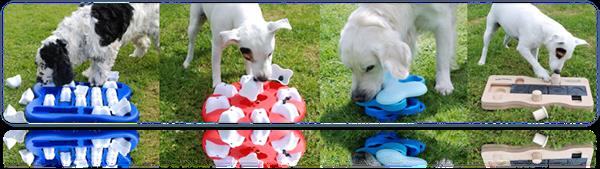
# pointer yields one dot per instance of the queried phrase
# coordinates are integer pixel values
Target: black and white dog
(95, 32)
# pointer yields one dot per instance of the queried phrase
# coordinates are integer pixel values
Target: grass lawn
(579, 19)
(26, 25)
(183, 91)
(145, 153)
(184, 148)
(335, 80)
(463, 147)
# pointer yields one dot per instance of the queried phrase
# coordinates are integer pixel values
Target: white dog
(95, 32)
(383, 37)
(531, 28)
(241, 24)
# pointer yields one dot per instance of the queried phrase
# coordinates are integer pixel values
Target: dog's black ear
(63, 70)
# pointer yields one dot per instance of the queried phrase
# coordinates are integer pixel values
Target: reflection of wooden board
(504, 92)
(498, 155)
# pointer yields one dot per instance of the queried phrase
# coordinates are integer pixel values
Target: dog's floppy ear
(395, 57)
(580, 42)
(230, 37)
(282, 23)
(63, 70)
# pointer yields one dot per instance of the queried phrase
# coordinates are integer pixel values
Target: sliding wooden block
(505, 92)
(502, 156)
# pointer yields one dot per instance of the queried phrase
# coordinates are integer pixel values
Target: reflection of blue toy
(397, 98)
(36, 112)
(405, 153)
(67, 140)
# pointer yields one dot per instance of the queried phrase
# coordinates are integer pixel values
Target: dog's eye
(370, 67)
(245, 51)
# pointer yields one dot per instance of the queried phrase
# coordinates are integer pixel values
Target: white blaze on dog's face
(53, 63)
(256, 43)
(560, 49)
(369, 47)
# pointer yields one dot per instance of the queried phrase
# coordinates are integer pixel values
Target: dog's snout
(358, 96)
(262, 78)
(556, 71)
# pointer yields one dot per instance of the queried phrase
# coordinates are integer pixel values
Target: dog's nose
(38, 79)
(556, 71)
(262, 78)
(358, 97)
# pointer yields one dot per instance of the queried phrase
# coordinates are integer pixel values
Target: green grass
(183, 91)
(26, 25)
(579, 19)
(335, 79)
(463, 147)
(184, 148)
(145, 153)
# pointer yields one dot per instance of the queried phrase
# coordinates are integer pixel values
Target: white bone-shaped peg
(80, 95)
(251, 161)
(13, 82)
(121, 145)
(27, 156)
(260, 137)
(101, 143)
(49, 100)
(287, 143)
(280, 74)
(65, 94)
(291, 93)
(80, 157)
(65, 159)
(113, 76)
(287, 110)
(250, 88)
(121, 108)
(231, 115)
(80, 101)
(110, 84)
(111, 96)
(226, 90)
(13, 116)
(101, 110)
(97, 156)
(260, 116)
(12, 137)
(26, 97)
(48, 153)
(111, 156)
(216, 150)
(214, 103)
(289, 159)
(231, 137)
(96, 96)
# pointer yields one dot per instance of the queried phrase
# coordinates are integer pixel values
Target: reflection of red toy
(266, 153)
(265, 100)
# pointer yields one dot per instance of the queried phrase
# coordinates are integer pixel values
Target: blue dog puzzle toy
(81, 148)
(392, 151)
(414, 106)
(395, 90)
(37, 112)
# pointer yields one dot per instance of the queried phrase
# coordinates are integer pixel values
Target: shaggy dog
(95, 32)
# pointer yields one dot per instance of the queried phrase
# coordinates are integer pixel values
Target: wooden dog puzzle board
(498, 155)
(504, 92)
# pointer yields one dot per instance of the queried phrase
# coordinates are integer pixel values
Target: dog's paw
(543, 75)
(444, 88)
(186, 65)
(97, 79)
(481, 62)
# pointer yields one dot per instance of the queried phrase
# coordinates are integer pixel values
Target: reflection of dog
(241, 24)
(96, 32)
(383, 37)
(532, 29)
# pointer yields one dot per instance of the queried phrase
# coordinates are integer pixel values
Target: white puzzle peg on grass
(250, 87)
(291, 93)
(13, 116)
(287, 143)
(65, 159)
(27, 156)
(101, 143)
(216, 150)
(540, 139)
(48, 153)
(121, 108)
(287, 110)
(540, 114)
(110, 84)
(26, 97)
(65, 94)
(14, 82)
(280, 74)
(231, 137)
(101, 110)
(226, 90)
(214, 103)
(49, 100)
(96, 96)
(12, 137)
(97, 156)
(111, 96)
